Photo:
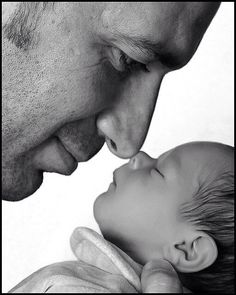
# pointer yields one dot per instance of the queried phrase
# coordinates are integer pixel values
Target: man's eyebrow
(151, 48)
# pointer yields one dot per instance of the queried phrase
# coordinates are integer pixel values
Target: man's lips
(61, 154)
(52, 156)
(81, 139)
(78, 157)
(84, 149)
(69, 151)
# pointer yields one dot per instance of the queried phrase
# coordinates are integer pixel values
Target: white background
(195, 103)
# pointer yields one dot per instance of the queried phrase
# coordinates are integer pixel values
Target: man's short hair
(212, 211)
(21, 28)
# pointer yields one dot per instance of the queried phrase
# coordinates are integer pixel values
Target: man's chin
(22, 190)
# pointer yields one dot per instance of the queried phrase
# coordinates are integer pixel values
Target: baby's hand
(158, 276)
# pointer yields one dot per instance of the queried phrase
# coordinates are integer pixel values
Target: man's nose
(140, 160)
(125, 124)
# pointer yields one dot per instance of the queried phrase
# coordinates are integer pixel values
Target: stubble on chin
(19, 179)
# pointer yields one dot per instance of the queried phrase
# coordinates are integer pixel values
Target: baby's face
(140, 210)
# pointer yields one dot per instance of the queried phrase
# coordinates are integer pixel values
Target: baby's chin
(98, 211)
(103, 208)
(111, 230)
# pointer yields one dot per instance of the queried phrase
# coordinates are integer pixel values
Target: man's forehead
(149, 14)
(133, 18)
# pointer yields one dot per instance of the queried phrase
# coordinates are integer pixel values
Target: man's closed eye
(123, 63)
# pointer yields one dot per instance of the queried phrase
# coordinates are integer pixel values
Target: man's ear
(193, 254)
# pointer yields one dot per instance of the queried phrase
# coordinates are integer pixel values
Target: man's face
(92, 72)
(140, 211)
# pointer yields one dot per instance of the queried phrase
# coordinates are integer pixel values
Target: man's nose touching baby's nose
(141, 159)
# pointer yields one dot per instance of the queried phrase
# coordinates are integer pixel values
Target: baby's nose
(140, 160)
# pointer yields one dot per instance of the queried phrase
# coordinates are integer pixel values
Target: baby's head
(179, 207)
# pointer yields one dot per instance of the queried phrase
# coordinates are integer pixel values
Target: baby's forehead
(204, 150)
(208, 158)
(201, 156)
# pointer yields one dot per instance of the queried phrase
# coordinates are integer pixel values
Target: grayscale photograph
(118, 147)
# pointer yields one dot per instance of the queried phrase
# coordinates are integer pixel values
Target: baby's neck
(129, 248)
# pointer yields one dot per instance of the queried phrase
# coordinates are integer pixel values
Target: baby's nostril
(113, 145)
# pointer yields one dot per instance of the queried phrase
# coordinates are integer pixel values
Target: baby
(179, 207)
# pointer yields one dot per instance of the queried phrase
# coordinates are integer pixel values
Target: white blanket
(101, 267)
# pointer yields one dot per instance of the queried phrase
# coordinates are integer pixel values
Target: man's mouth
(70, 151)
(61, 153)
(52, 156)
(81, 139)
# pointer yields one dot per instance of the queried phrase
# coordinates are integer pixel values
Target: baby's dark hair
(212, 211)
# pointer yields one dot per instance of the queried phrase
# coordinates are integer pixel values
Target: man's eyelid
(115, 56)
(131, 52)
(126, 60)
(141, 58)
(138, 50)
(130, 57)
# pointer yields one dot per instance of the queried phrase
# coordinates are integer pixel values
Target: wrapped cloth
(101, 267)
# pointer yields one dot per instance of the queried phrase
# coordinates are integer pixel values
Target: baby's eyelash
(159, 172)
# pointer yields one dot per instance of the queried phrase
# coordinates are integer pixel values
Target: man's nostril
(113, 145)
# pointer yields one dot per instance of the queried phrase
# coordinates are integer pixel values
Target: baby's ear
(193, 253)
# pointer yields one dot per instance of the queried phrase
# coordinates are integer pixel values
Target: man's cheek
(88, 92)
(108, 83)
